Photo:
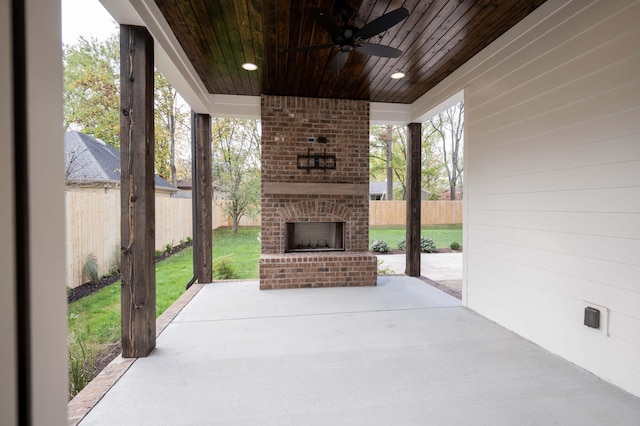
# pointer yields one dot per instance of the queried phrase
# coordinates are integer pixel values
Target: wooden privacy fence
(93, 224)
(387, 213)
(93, 227)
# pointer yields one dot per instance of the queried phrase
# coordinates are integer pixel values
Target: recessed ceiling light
(397, 75)
(249, 66)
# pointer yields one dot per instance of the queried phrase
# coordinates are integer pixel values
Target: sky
(85, 18)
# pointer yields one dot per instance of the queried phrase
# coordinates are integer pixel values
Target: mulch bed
(88, 288)
(104, 357)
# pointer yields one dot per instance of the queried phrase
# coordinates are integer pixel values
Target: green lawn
(243, 249)
(442, 235)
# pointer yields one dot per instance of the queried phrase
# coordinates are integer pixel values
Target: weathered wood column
(201, 196)
(414, 173)
(137, 226)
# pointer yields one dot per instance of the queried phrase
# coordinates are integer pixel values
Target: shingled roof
(89, 160)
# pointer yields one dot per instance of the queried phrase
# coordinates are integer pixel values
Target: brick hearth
(291, 194)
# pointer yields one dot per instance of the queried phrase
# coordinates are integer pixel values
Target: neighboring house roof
(184, 184)
(187, 185)
(380, 188)
(377, 188)
(89, 160)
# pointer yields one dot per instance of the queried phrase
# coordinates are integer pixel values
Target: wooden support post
(414, 173)
(201, 193)
(137, 227)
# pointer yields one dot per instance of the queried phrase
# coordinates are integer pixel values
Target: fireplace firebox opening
(314, 236)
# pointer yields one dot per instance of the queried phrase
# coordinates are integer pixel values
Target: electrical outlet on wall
(604, 317)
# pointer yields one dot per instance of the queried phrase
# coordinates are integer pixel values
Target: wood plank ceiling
(437, 38)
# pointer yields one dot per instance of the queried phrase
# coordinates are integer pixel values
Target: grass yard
(242, 249)
(442, 235)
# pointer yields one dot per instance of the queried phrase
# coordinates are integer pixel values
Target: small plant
(380, 246)
(223, 269)
(427, 245)
(90, 269)
(81, 366)
(189, 239)
(383, 270)
(158, 253)
(455, 245)
(168, 248)
(402, 245)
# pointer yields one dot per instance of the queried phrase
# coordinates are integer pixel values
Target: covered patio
(401, 353)
(551, 213)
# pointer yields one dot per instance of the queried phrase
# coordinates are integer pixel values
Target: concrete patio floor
(401, 353)
(444, 270)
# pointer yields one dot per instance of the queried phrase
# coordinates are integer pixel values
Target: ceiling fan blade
(322, 18)
(339, 61)
(378, 50)
(381, 24)
(305, 48)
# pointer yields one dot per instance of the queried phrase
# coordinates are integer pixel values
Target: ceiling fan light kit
(348, 38)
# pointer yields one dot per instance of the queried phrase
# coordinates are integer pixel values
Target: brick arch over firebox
(315, 210)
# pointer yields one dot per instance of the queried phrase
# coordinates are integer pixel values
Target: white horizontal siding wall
(552, 193)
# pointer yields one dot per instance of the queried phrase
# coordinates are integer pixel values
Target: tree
(92, 101)
(432, 165)
(449, 127)
(387, 156)
(236, 166)
(91, 88)
(171, 125)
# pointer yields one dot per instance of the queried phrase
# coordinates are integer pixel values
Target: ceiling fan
(348, 38)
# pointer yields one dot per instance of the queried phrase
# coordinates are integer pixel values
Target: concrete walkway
(401, 353)
(444, 269)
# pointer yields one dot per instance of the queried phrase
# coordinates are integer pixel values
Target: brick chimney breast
(292, 194)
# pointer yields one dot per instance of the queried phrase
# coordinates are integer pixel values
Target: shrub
(380, 246)
(455, 246)
(427, 245)
(223, 269)
(90, 269)
(168, 248)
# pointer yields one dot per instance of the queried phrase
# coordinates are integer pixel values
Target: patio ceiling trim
(170, 59)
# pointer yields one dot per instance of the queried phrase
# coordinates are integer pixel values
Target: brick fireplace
(315, 193)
